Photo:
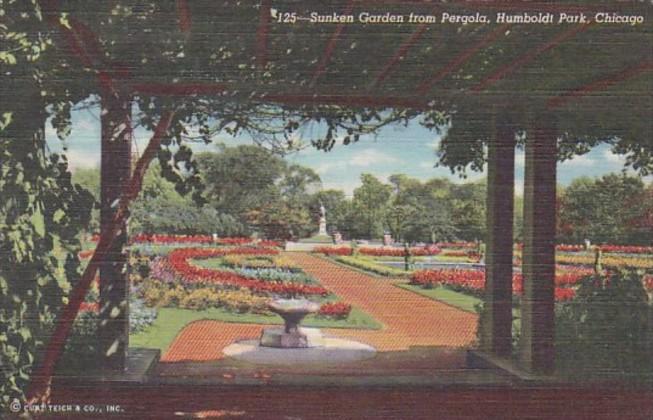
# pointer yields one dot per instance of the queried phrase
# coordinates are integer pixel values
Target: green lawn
(448, 296)
(170, 321)
(459, 300)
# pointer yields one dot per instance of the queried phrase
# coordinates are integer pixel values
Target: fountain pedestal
(302, 338)
(291, 336)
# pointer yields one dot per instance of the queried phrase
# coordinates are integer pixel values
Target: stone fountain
(291, 336)
(292, 345)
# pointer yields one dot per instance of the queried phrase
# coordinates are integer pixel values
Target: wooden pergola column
(537, 349)
(497, 323)
(114, 281)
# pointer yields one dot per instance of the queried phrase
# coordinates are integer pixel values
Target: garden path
(408, 318)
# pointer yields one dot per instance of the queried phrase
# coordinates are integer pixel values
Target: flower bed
(371, 265)
(259, 261)
(607, 261)
(457, 244)
(191, 274)
(400, 252)
(333, 250)
(378, 252)
(473, 281)
(337, 310)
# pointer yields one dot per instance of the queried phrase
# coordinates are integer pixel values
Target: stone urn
(291, 335)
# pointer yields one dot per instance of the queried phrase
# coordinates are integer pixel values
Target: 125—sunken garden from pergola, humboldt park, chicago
(245, 210)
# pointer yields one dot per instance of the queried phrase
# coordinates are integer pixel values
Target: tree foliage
(612, 209)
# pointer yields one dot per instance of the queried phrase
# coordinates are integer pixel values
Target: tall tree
(607, 209)
(370, 204)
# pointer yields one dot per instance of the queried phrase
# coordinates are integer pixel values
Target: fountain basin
(291, 336)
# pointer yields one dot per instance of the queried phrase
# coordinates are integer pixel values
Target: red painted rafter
(179, 89)
(461, 59)
(331, 46)
(262, 34)
(528, 57)
(600, 85)
(399, 55)
(185, 19)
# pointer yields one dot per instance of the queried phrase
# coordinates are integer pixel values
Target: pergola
(520, 77)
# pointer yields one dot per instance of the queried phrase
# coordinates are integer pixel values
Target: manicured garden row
(378, 252)
(607, 261)
(620, 249)
(473, 281)
(371, 265)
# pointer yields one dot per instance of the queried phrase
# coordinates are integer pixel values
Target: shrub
(140, 316)
(607, 325)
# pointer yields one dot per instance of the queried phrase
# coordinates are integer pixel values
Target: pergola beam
(601, 84)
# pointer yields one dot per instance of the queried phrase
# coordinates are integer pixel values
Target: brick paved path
(409, 319)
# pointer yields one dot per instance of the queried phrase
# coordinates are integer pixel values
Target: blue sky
(396, 149)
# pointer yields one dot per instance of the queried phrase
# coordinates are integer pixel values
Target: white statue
(322, 231)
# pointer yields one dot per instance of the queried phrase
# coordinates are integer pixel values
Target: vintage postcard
(326, 209)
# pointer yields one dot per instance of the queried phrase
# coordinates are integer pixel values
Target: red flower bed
(234, 241)
(457, 244)
(171, 239)
(627, 249)
(473, 281)
(399, 252)
(179, 262)
(333, 250)
(271, 244)
(570, 248)
(339, 310)
(622, 249)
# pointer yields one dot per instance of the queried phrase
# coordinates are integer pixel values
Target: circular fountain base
(332, 351)
(299, 338)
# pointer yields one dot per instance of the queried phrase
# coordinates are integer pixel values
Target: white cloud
(326, 167)
(86, 124)
(426, 165)
(83, 159)
(369, 157)
(582, 160)
(614, 158)
(347, 187)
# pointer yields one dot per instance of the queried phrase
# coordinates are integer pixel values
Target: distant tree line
(249, 190)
